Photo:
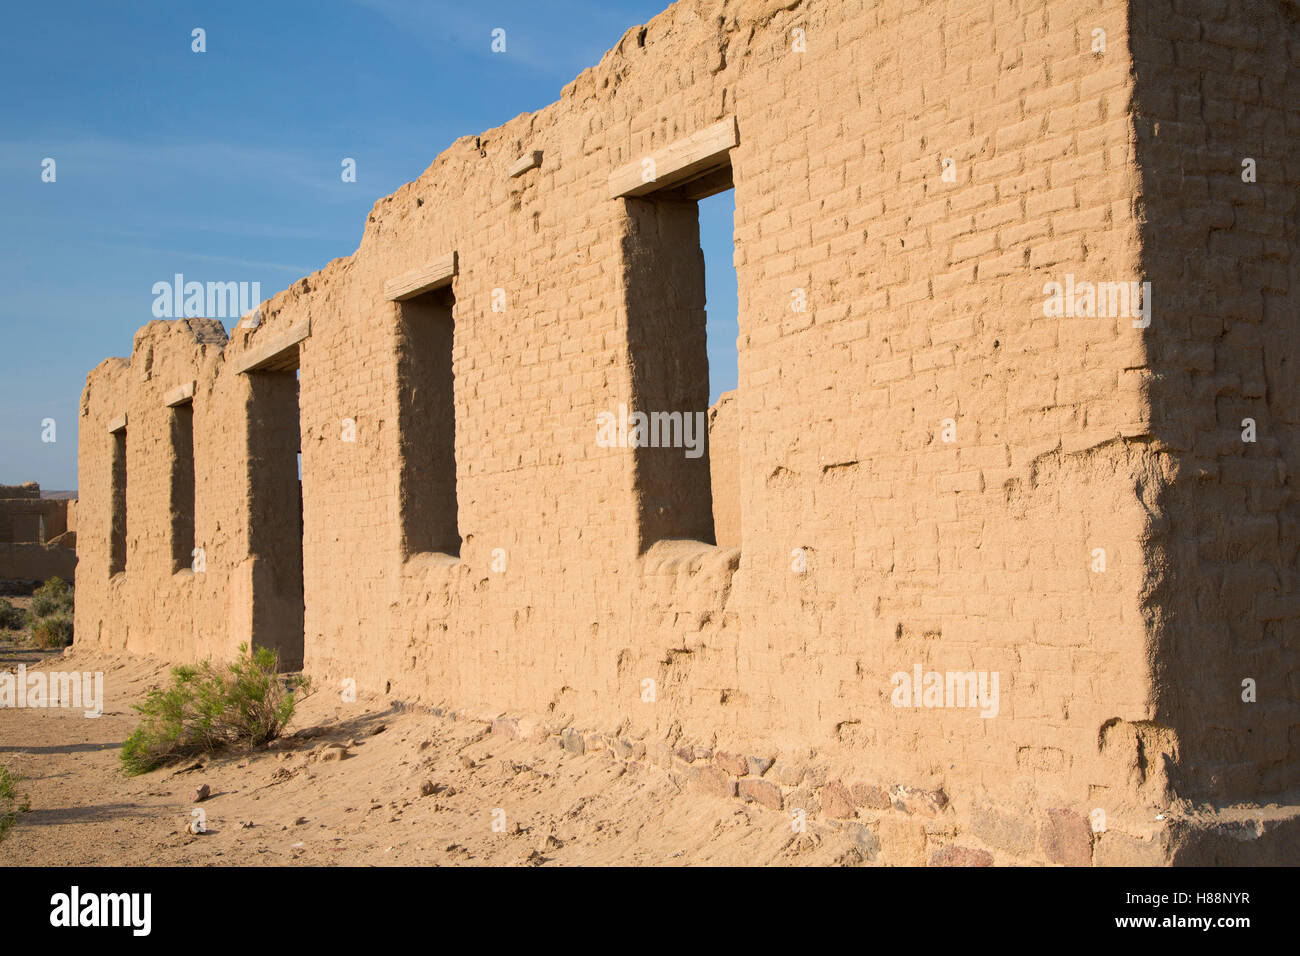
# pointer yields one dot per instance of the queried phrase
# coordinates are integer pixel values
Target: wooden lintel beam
(678, 162)
(278, 353)
(432, 275)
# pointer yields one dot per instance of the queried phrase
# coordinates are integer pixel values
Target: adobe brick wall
(925, 304)
(29, 527)
(724, 469)
(23, 514)
(1217, 83)
(23, 565)
(152, 608)
(28, 489)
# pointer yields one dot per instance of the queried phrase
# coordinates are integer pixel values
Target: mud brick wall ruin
(38, 537)
(920, 468)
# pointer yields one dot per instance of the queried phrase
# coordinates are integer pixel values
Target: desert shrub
(53, 630)
(11, 804)
(11, 618)
(52, 597)
(209, 708)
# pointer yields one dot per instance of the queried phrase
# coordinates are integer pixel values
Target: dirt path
(285, 805)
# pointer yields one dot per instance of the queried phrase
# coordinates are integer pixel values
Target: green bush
(209, 708)
(10, 803)
(55, 630)
(52, 597)
(11, 618)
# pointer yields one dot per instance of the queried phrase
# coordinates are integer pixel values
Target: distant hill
(58, 494)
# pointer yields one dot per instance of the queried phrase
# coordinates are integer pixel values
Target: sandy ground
(284, 805)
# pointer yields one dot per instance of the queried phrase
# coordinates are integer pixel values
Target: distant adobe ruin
(933, 480)
(38, 537)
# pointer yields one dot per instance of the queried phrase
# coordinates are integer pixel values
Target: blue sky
(224, 165)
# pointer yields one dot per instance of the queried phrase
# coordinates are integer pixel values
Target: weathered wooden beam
(117, 424)
(278, 353)
(526, 162)
(179, 395)
(677, 162)
(703, 186)
(433, 275)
